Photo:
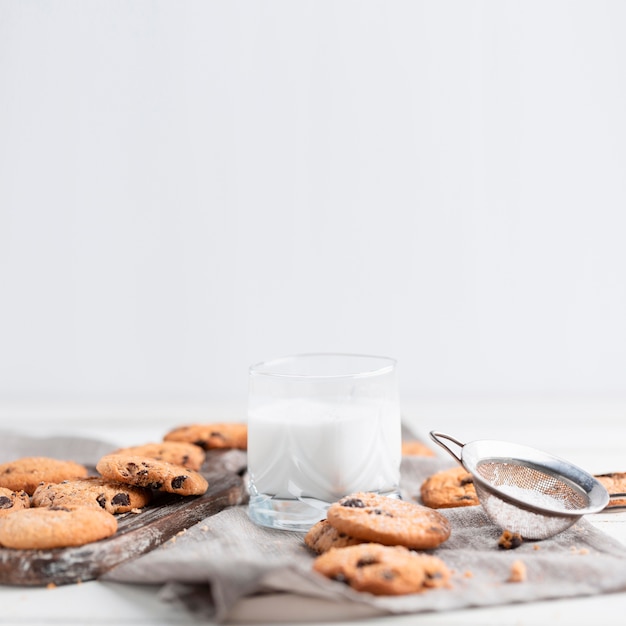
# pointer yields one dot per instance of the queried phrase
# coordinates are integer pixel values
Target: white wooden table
(590, 433)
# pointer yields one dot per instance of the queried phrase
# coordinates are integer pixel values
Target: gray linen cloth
(224, 558)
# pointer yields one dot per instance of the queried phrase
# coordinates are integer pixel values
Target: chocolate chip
(366, 560)
(177, 482)
(102, 500)
(380, 512)
(155, 485)
(467, 481)
(120, 499)
(387, 575)
(5, 503)
(131, 467)
(354, 503)
(216, 434)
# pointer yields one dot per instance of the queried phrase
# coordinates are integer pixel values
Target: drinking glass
(320, 426)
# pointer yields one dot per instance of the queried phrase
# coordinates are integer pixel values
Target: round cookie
(13, 501)
(177, 452)
(321, 537)
(449, 488)
(55, 527)
(385, 520)
(94, 491)
(383, 570)
(209, 436)
(144, 471)
(614, 482)
(413, 447)
(27, 472)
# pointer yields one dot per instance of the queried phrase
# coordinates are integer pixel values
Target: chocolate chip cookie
(614, 482)
(94, 491)
(55, 527)
(144, 471)
(209, 436)
(177, 452)
(449, 488)
(322, 537)
(383, 570)
(413, 447)
(385, 520)
(27, 472)
(13, 500)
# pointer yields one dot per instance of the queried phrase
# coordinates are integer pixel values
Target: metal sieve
(524, 490)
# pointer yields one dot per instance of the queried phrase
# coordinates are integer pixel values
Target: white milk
(302, 448)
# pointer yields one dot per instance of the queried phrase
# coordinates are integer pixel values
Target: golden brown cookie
(27, 472)
(94, 491)
(56, 527)
(209, 436)
(449, 488)
(177, 452)
(322, 537)
(413, 447)
(385, 520)
(614, 482)
(13, 500)
(382, 570)
(144, 471)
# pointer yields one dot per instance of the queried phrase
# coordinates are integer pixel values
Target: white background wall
(190, 187)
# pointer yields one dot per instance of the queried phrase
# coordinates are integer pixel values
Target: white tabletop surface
(590, 433)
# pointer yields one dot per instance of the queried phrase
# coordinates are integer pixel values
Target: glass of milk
(320, 426)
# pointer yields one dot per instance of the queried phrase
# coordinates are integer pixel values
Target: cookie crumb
(136, 511)
(509, 540)
(204, 528)
(518, 572)
(536, 547)
(468, 574)
(51, 586)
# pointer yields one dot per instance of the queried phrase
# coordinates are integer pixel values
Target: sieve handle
(437, 437)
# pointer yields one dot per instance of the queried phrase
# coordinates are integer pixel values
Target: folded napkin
(226, 558)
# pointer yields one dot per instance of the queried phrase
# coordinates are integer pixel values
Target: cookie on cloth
(321, 537)
(13, 500)
(449, 488)
(210, 436)
(144, 471)
(614, 482)
(55, 527)
(392, 522)
(25, 474)
(177, 452)
(93, 491)
(383, 570)
(414, 447)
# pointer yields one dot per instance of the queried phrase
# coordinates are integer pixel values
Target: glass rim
(263, 368)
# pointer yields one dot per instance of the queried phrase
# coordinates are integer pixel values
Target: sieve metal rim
(472, 453)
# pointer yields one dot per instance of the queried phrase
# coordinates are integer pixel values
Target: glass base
(287, 514)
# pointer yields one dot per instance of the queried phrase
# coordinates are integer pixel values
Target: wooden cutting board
(137, 533)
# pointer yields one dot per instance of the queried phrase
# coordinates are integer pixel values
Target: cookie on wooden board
(55, 527)
(210, 436)
(25, 474)
(381, 519)
(95, 491)
(382, 570)
(449, 488)
(13, 500)
(177, 452)
(147, 472)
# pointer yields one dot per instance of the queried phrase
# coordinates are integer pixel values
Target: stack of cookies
(48, 503)
(373, 543)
